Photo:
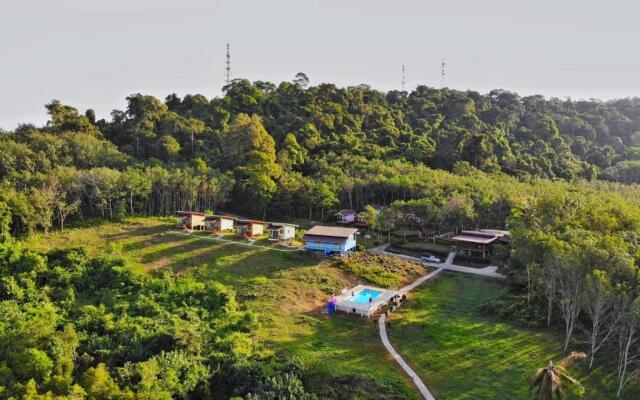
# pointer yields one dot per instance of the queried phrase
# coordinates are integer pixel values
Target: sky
(93, 53)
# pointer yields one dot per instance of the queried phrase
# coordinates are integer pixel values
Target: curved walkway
(422, 388)
(412, 374)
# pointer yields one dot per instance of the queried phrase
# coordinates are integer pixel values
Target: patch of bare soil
(159, 263)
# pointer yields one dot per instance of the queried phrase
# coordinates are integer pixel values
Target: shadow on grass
(136, 230)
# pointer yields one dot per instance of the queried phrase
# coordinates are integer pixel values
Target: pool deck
(364, 309)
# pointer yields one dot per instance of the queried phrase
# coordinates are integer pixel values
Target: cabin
(219, 223)
(281, 232)
(190, 220)
(361, 217)
(249, 228)
(330, 239)
(479, 243)
(346, 216)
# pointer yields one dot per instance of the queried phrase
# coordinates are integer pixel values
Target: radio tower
(442, 72)
(403, 78)
(228, 68)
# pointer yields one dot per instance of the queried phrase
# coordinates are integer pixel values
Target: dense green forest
(289, 150)
(562, 175)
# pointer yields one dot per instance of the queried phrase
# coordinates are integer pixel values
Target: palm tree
(548, 381)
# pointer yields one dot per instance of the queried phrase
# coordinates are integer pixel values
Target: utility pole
(228, 68)
(442, 73)
(403, 77)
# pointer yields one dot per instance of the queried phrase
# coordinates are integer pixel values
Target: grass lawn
(463, 354)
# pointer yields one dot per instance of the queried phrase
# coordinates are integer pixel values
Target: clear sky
(93, 53)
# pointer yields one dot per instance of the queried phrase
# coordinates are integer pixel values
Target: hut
(190, 220)
(249, 228)
(218, 223)
(346, 216)
(281, 232)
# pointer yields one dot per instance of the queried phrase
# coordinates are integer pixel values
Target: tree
(99, 385)
(458, 212)
(66, 193)
(301, 80)
(550, 380)
(249, 146)
(605, 305)
(371, 216)
(136, 183)
(170, 147)
(628, 352)
(104, 185)
(218, 189)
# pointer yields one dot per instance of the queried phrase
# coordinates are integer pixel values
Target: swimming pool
(364, 295)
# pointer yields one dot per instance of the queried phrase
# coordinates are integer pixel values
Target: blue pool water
(364, 295)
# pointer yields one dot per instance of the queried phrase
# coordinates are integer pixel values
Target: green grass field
(463, 354)
(460, 353)
(285, 290)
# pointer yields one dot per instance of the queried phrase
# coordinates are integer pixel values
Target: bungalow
(281, 232)
(346, 216)
(361, 217)
(330, 239)
(479, 243)
(218, 223)
(190, 220)
(249, 229)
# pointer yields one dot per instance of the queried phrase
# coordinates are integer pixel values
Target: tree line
(297, 151)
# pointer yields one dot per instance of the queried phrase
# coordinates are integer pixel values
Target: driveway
(489, 272)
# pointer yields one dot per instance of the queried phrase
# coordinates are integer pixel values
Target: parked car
(430, 258)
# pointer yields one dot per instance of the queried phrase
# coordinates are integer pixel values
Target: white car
(430, 258)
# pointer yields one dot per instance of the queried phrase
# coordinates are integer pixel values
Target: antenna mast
(403, 77)
(442, 72)
(228, 68)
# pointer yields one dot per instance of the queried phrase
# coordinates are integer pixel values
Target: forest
(562, 175)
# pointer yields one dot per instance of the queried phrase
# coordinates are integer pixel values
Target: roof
(210, 217)
(476, 237)
(346, 211)
(189, 213)
(250, 221)
(497, 232)
(331, 231)
(280, 224)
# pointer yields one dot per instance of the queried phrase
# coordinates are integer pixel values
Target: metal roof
(332, 231)
(475, 237)
(281, 224)
(250, 221)
(210, 217)
(189, 213)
